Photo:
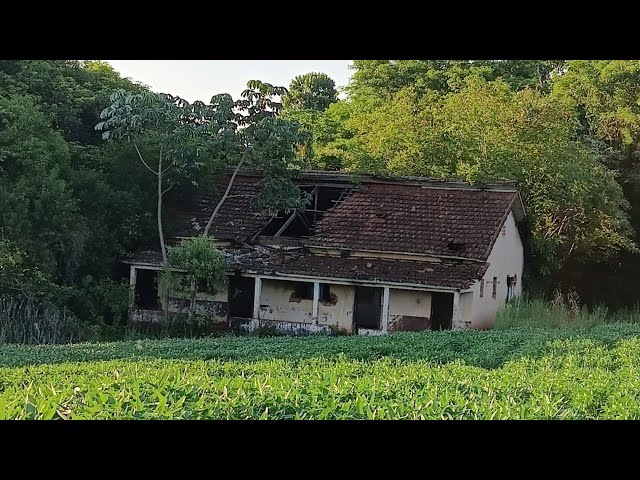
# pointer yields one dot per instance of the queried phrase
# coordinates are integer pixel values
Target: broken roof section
(261, 260)
(264, 261)
(402, 214)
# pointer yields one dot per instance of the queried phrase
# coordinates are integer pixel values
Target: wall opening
(241, 294)
(301, 291)
(511, 287)
(441, 310)
(147, 289)
(326, 296)
(368, 307)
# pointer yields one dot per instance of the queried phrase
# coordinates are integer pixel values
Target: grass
(561, 312)
(512, 373)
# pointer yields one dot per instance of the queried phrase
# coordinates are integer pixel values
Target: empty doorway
(368, 308)
(147, 289)
(241, 293)
(441, 311)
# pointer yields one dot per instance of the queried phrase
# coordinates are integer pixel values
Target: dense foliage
(517, 373)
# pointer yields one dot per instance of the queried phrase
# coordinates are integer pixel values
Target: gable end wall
(506, 258)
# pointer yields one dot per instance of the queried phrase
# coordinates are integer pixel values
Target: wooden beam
(286, 224)
(385, 309)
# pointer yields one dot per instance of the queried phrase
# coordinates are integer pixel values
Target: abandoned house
(376, 256)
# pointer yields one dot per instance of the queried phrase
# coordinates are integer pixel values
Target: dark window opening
(511, 287)
(147, 289)
(326, 296)
(325, 292)
(241, 293)
(481, 288)
(368, 307)
(495, 288)
(441, 311)
(302, 291)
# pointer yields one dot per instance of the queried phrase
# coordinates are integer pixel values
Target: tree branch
(171, 165)
(224, 197)
(142, 159)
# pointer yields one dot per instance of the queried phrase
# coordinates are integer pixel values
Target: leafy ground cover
(511, 373)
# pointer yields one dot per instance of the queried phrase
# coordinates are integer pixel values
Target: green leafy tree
(487, 131)
(382, 78)
(181, 131)
(311, 91)
(201, 267)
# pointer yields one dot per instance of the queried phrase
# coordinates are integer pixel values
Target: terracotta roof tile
(399, 218)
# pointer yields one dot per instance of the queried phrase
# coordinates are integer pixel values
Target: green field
(513, 373)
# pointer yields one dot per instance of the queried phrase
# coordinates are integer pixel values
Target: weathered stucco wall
(339, 315)
(277, 303)
(409, 310)
(466, 310)
(506, 258)
(214, 306)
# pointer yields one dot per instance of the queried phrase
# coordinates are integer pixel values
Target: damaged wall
(212, 306)
(340, 314)
(278, 302)
(409, 310)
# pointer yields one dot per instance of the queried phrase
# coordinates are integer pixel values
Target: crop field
(503, 374)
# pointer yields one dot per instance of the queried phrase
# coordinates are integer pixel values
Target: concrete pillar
(133, 273)
(256, 298)
(385, 309)
(455, 318)
(316, 299)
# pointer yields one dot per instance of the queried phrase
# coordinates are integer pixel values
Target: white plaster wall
(408, 303)
(275, 303)
(339, 315)
(412, 303)
(466, 310)
(506, 258)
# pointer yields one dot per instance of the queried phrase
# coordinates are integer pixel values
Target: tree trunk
(160, 232)
(165, 262)
(224, 197)
(192, 302)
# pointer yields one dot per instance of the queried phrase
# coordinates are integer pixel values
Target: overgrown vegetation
(562, 312)
(515, 373)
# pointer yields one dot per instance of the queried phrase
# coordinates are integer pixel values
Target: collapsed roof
(418, 216)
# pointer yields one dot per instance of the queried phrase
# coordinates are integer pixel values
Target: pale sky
(201, 79)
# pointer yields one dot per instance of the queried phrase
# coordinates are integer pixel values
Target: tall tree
(311, 91)
(181, 131)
